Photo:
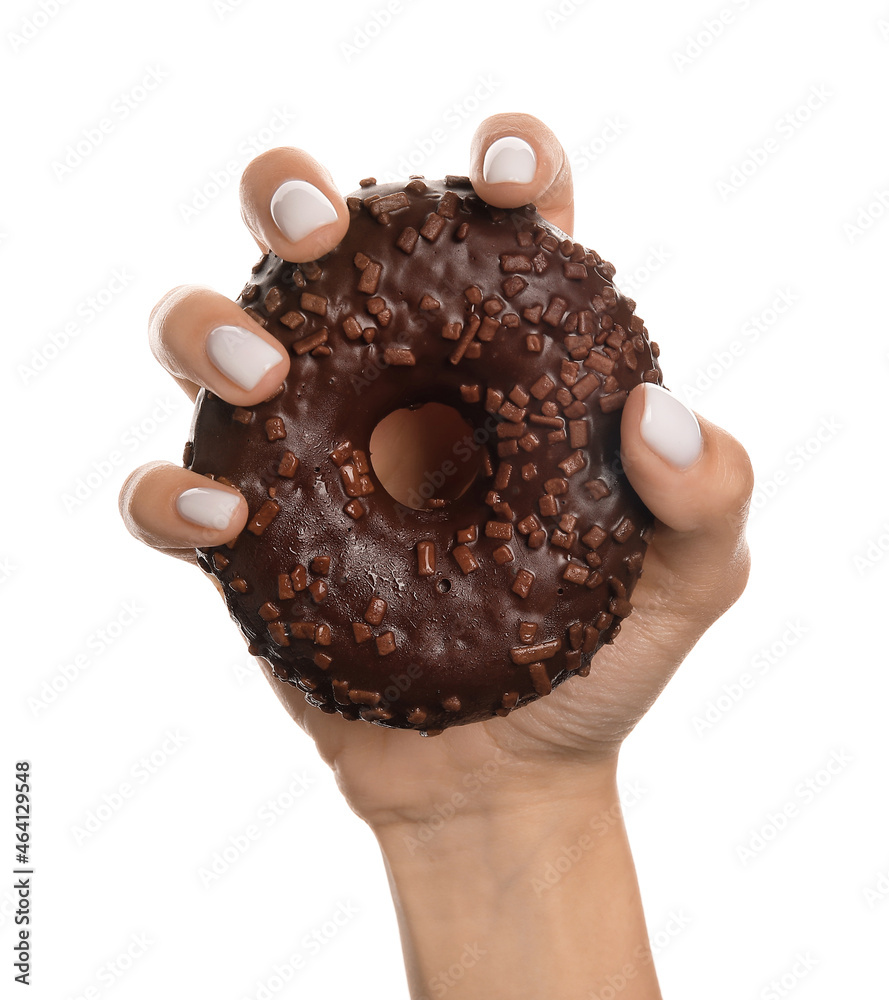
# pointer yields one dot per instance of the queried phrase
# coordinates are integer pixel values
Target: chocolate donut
(475, 597)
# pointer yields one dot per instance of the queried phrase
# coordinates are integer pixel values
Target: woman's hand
(557, 756)
(693, 476)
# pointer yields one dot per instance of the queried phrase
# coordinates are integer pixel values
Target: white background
(665, 134)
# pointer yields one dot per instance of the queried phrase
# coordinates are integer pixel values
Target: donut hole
(444, 586)
(425, 455)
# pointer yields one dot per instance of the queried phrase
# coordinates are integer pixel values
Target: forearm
(534, 900)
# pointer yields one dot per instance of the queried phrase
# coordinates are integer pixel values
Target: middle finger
(204, 339)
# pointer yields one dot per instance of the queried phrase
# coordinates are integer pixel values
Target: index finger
(290, 204)
(516, 159)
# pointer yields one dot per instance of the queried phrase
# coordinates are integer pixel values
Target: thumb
(697, 481)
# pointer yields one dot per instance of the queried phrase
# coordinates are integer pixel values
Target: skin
(469, 891)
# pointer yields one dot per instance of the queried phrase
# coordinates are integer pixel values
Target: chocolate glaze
(431, 618)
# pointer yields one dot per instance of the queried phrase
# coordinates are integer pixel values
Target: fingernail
(240, 355)
(208, 507)
(299, 208)
(669, 428)
(509, 159)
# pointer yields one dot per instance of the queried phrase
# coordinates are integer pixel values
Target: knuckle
(266, 157)
(738, 479)
(163, 315)
(132, 489)
(164, 304)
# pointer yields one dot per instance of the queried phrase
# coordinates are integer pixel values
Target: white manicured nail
(208, 507)
(299, 208)
(509, 159)
(240, 355)
(669, 428)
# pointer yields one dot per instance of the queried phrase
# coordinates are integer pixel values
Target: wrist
(531, 895)
(500, 822)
